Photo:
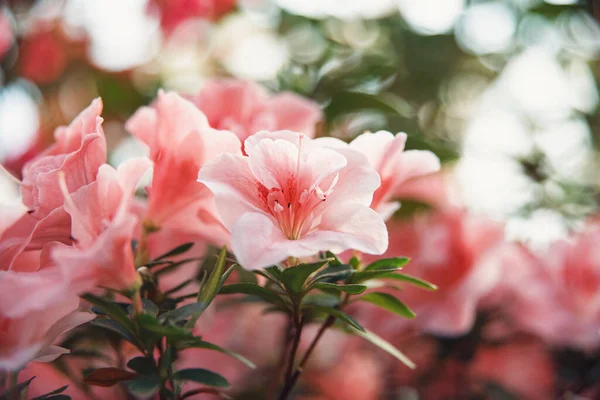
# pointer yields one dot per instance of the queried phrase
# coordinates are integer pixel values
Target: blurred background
(505, 92)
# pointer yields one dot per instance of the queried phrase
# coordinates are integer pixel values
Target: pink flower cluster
(279, 194)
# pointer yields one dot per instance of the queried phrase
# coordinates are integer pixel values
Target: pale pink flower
(292, 196)
(79, 150)
(556, 295)
(451, 250)
(394, 165)
(36, 308)
(103, 227)
(245, 107)
(181, 142)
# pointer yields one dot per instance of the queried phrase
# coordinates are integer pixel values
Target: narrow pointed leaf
(294, 277)
(116, 327)
(411, 280)
(387, 263)
(388, 302)
(386, 346)
(111, 309)
(338, 314)
(201, 344)
(142, 365)
(252, 290)
(363, 276)
(176, 251)
(350, 289)
(334, 273)
(106, 377)
(200, 375)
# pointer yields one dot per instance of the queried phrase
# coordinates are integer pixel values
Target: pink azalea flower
(6, 34)
(79, 150)
(394, 165)
(103, 227)
(292, 196)
(451, 250)
(244, 107)
(561, 302)
(181, 142)
(36, 308)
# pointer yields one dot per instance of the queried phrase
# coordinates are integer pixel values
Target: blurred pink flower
(35, 309)
(451, 250)
(556, 295)
(6, 34)
(79, 150)
(293, 197)
(103, 227)
(245, 107)
(174, 12)
(394, 165)
(42, 57)
(181, 142)
(523, 367)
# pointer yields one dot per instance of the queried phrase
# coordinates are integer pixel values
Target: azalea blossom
(103, 227)
(35, 309)
(292, 196)
(181, 142)
(244, 107)
(77, 154)
(395, 166)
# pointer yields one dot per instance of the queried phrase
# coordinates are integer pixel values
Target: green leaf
(334, 259)
(144, 386)
(201, 375)
(151, 324)
(363, 276)
(410, 279)
(116, 327)
(172, 266)
(176, 251)
(354, 263)
(210, 288)
(336, 313)
(142, 365)
(388, 302)
(321, 299)
(387, 263)
(350, 289)
(201, 344)
(183, 313)
(385, 345)
(333, 273)
(111, 309)
(149, 307)
(294, 277)
(252, 290)
(106, 377)
(58, 397)
(16, 391)
(53, 394)
(245, 276)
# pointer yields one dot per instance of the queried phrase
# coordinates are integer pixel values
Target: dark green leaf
(176, 251)
(51, 394)
(252, 290)
(183, 313)
(201, 375)
(210, 288)
(294, 277)
(334, 259)
(149, 307)
(334, 273)
(321, 299)
(245, 276)
(16, 391)
(178, 287)
(115, 326)
(108, 376)
(144, 385)
(384, 345)
(350, 289)
(388, 302)
(58, 397)
(388, 263)
(410, 279)
(201, 344)
(338, 314)
(354, 263)
(275, 272)
(173, 266)
(363, 276)
(142, 365)
(111, 309)
(151, 324)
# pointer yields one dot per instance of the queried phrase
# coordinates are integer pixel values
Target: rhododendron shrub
(95, 264)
